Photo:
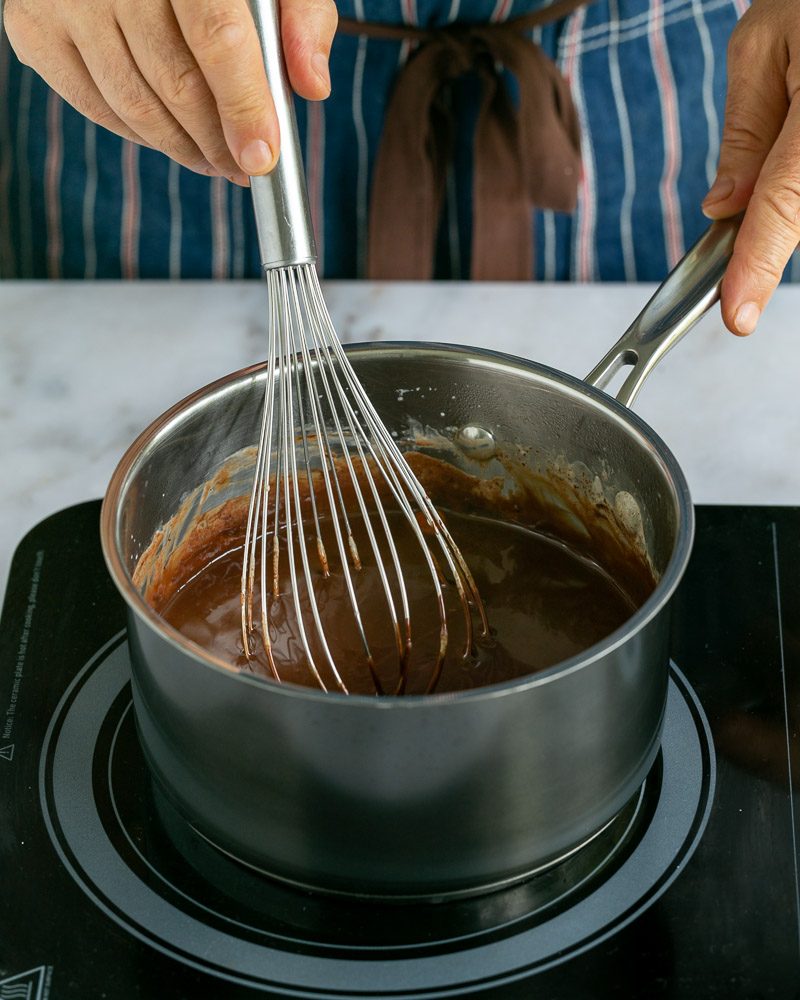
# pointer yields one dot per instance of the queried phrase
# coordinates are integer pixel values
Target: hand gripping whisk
(324, 456)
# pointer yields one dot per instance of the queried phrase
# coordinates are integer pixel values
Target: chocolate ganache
(546, 598)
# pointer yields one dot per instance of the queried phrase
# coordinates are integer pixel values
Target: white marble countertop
(85, 367)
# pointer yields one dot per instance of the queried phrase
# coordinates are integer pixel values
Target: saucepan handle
(686, 294)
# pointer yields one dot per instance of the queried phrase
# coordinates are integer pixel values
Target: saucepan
(436, 794)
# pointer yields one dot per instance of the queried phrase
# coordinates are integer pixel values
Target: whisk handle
(280, 199)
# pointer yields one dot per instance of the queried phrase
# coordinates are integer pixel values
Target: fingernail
(319, 63)
(721, 189)
(746, 318)
(241, 179)
(256, 157)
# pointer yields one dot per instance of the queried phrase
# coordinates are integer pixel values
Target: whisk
(323, 452)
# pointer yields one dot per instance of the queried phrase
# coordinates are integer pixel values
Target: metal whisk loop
(319, 429)
(320, 330)
(333, 493)
(339, 507)
(396, 462)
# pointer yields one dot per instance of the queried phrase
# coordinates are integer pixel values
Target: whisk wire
(313, 394)
(395, 464)
(292, 493)
(331, 476)
(259, 506)
(300, 353)
(323, 358)
(459, 571)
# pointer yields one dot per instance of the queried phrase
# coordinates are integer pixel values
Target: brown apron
(524, 157)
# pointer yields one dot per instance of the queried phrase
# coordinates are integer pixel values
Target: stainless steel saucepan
(429, 794)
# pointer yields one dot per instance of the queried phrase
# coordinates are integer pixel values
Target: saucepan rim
(673, 572)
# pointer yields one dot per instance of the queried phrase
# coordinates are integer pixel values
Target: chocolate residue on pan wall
(563, 507)
(205, 520)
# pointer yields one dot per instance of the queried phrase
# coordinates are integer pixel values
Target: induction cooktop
(692, 891)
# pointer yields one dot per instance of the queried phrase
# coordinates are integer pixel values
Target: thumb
(755, 109)
(307, 30)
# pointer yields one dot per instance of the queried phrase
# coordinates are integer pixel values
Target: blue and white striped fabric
(648, 79)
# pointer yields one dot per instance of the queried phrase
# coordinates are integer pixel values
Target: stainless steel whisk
(317, 417)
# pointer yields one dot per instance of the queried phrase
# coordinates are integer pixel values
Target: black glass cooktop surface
(692, 891)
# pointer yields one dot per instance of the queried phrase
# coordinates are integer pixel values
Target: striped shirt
(648, 82)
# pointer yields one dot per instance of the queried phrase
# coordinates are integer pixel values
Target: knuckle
(178, 149)
(172, 142)
(745, 43)
(218, 35)
(782, 199)
(182, 87)
(765, 268)
(140, 108)
(97, 111)
(64, 83)
(101, 115)
(743, 131)
(217, 152)
(247, 108)
(764, 258)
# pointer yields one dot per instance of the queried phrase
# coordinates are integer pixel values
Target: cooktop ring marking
(457, 940)
(78, 834)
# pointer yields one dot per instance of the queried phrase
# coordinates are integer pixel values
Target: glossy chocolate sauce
(545, 602)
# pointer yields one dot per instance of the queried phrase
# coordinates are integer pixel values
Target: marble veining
(85, 367)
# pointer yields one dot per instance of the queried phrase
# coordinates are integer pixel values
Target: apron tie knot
(525, 154)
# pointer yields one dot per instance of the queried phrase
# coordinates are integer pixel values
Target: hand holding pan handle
(685, 295)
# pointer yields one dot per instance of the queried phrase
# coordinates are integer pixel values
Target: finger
(769, 233)
(222, 37)
(61, 67)
(109, 61)
(755, 109)
(307, 30)
(67, 75)
(158, 48)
